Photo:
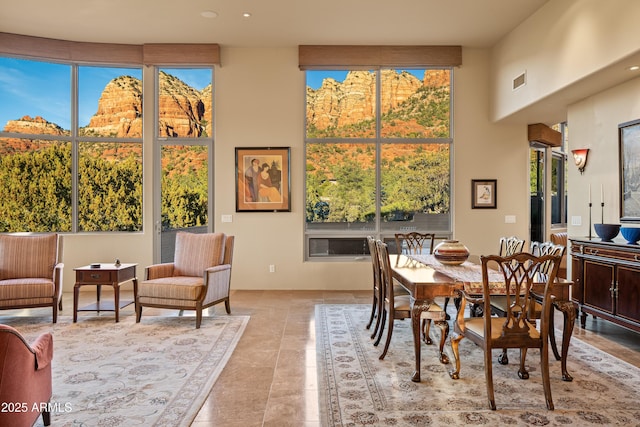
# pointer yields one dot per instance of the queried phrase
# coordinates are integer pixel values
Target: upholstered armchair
(25, 378)
(31, 272)
(199, 277)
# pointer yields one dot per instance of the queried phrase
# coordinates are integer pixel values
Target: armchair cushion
(195, 252)
(28, 256)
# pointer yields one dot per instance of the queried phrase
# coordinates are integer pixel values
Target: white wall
(564, 42)
(593, 124)
(259, 101)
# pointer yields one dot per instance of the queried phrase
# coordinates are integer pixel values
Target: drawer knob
(95, 276)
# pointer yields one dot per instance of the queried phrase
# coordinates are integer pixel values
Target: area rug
(154, 373)
(358, 389)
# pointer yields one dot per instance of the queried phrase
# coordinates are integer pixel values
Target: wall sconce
(580, 158)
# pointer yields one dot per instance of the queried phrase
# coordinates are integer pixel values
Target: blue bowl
(607, 231)
(631, 234)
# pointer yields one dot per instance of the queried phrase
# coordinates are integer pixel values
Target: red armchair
(25, 378)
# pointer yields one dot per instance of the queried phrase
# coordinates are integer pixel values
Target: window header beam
(325, 57)
(109, 53)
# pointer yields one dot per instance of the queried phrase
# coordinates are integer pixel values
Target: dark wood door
(598, 283)
(628, 293)
(577, 275)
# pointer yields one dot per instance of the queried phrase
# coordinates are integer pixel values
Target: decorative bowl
(607, 231)
(630, 234)
(451, 252)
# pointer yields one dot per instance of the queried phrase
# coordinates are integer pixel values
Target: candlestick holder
(602, 212)
(590, 205)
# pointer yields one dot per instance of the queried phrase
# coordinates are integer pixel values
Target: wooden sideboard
(606, 280)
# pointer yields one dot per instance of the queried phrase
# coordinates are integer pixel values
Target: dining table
(425, 279)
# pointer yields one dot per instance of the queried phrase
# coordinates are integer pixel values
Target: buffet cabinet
(606, 281)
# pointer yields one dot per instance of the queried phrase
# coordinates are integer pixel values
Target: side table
(107, 275)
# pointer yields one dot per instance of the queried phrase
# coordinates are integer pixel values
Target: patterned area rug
(154, 373)
(358, 389)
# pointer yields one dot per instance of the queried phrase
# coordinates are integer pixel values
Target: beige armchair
(31, 272)
(25, 383)
(199, 277)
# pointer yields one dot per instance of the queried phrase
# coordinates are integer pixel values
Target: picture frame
(629, 170)
(484, 194)
(263, 179)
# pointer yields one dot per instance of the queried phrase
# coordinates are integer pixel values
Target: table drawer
(96, 276)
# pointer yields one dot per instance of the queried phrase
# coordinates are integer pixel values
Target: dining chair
(376, 304)
(498, 302)
(518, 328)
(398, 307)
(508, 246)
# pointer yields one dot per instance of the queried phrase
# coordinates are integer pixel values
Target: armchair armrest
(217, 282)
(42, 348)
(156, 271)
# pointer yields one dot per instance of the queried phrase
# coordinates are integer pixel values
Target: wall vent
(520, 81)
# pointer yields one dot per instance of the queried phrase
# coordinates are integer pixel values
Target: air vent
(519, 81)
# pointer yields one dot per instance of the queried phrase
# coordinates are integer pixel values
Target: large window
(378, 151)
(70, 147)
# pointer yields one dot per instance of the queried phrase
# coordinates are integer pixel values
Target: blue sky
(31, 88)
(314, 78)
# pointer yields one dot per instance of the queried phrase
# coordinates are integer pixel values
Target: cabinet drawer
(96, 276)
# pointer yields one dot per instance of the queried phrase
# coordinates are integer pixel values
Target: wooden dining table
(426, 283)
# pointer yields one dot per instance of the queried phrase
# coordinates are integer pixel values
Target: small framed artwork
(483, 194)
(263, 179)
(629, 136)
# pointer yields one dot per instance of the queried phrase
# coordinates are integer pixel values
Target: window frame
(379, 142)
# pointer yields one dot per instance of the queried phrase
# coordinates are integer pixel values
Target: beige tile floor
(271, 380)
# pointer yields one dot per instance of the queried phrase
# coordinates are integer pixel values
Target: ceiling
(273, 23)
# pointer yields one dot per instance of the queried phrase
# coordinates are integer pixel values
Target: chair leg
(446, 302)
(382, 322)
(374, 307)
(55, 313)
(444, 327)
(503, 359)
(379, 323)
(389, 333)
(488, 373)
(198, 317)
(138, 312)
(46, 418)
(426, 331)
(455, 342)
(546, 381)
(522, 371)
(552, 337)
(227, 305)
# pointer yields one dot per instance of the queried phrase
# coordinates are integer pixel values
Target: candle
(601, 193)
(589, 193)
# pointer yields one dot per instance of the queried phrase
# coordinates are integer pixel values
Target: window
(559, 180)
(70, 162)
(378, 150)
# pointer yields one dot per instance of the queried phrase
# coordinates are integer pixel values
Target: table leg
(116, 300)
(98, 292)
(76, 289)
(417, 307)
(569, 311)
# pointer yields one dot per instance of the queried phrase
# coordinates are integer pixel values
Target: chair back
(510, 245)
(414, 243)
(520, 271)
(546, 248)
(386, 278)
(375, 262)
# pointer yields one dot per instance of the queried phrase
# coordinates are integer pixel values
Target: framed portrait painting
(263, 179)
(629, 139)
(483, 194)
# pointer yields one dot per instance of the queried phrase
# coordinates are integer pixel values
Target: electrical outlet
(509, 219)
(576, 220)
(272, 268)
(227, 218)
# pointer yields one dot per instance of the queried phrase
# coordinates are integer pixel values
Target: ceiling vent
(520, 81)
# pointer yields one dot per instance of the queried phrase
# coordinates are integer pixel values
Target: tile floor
(271, 380)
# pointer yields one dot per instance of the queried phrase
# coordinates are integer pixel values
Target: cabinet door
(598, 284)
(577, 275)
(628, 293)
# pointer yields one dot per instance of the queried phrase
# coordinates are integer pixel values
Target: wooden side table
(107, 275)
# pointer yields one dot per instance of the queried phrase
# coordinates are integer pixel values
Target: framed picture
(483, 193)
(629, 140)
(263, 179)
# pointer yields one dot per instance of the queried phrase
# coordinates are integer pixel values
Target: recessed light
(209, 14)
(634, 68)
(246, 15)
